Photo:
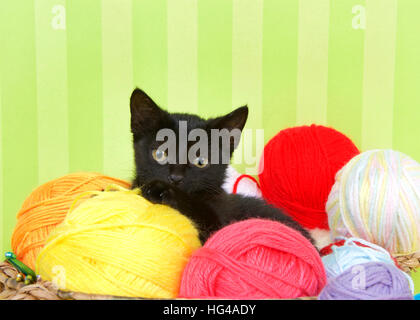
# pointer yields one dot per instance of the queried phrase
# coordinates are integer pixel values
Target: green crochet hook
(30, 276)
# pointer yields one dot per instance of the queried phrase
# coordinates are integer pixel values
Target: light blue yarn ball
(350, 254)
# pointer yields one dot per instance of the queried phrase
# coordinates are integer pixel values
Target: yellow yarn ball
(118, 243)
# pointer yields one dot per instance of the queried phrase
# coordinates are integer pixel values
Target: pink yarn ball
(254, 259)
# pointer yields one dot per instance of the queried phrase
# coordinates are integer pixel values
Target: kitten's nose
(175, 178)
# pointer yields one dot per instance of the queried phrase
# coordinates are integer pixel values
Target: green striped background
(64, 92)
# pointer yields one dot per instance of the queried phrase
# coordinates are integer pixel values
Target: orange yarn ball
(47, 206)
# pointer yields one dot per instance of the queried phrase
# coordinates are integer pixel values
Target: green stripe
(117, 85)
(2, 227)
(51, 57)
(182, 56)
(214, 61)
(312, 77)
(345, 68)
(406, 131)
(279, 65)
(150, 48)
(19, 110)
(378, 86)
(84, 65)
(247, 76)
(416, 279)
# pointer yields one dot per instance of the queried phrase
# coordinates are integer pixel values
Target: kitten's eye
(159, 155)
(201, 162)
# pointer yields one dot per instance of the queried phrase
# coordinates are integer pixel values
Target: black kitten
(192, 186)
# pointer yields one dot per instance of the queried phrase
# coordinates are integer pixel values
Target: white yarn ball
(246, 186)
(376, 197)
(321, 237)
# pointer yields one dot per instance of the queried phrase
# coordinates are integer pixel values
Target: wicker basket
(10, 289)
(409, 263)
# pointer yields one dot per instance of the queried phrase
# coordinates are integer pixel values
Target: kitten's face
(178, 161)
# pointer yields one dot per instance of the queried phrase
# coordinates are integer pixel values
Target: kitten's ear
(145, 114)
(234, 120)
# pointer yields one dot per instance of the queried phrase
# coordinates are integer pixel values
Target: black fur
(199, 195)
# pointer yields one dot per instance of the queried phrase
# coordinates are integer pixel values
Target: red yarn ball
(254, 259)
(297, 171)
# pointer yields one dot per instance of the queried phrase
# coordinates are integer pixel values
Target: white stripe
(247, 57)
(247, 66)
(312, 76)
(51, 82)
(378, 82)
(117, 81)
(182, 56)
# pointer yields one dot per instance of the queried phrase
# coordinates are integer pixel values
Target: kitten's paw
(159, 192)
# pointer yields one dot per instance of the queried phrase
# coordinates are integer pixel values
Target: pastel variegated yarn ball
(376, 197)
